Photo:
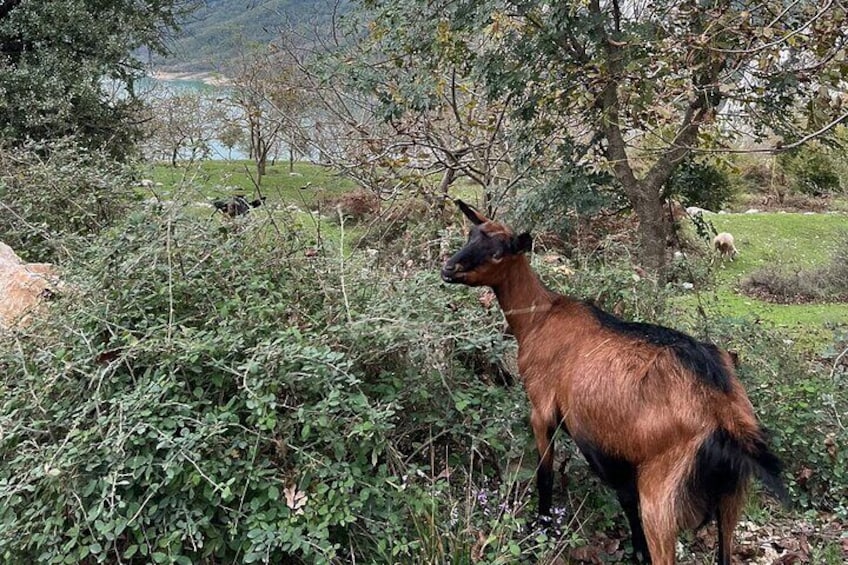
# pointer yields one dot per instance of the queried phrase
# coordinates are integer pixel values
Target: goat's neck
(523, 298)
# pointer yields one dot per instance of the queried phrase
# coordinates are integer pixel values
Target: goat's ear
(471, 213)
(521, 243)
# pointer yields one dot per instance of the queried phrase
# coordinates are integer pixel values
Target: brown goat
(659, 416)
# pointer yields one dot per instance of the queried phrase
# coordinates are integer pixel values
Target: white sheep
(723, 243)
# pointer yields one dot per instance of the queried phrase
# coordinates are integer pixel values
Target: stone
(23, 286)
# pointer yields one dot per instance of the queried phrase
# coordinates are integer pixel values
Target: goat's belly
(614, 470)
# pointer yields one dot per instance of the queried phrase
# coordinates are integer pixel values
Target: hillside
(218, 29)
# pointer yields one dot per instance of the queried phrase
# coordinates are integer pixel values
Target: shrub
(825, 283)
(356, 206)
(811, 170)
(52, 194)
(203, 395)
(700, 184)
(558, 201)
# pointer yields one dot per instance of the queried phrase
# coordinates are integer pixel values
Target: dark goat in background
(660, 416)
(236, 205)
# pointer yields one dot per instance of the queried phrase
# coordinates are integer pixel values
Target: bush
(826, 283)
(356, 206)
(206, 396)
(700, 184)
(811, 170)
(51, 195)
(557, 202)
(211, 394)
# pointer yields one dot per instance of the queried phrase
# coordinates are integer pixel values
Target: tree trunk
(291, 159)
(653, 229)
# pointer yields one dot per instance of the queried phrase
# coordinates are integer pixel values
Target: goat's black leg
(723, 558)
(543, 430)
(629, 499)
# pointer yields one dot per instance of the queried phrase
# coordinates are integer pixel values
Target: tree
(644, 84)
(394, 133)
(181, 125)
(57, 56)
(230, 135)
(265, 96)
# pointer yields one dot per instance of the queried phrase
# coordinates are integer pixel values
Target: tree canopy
(68, 66)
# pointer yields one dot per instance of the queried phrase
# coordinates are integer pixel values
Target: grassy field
(207, 180)
(788, 241)
(293, 197)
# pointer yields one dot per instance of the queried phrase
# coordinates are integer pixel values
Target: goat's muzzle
(451, 272)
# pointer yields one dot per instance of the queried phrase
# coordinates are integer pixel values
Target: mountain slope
(219, 29)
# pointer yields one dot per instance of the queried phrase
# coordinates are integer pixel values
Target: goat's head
(490, 248)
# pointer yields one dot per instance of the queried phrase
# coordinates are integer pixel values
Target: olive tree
(181, 125)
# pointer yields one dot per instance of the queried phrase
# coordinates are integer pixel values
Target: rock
(752, 211)
(696, 211)
(22, 287)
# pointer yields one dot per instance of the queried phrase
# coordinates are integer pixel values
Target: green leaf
(273, 492)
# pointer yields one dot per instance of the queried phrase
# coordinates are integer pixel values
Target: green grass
(790, 241)
(207, 180)
(794, 240)
(199, 183)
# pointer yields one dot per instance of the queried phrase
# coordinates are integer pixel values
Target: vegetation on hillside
(217, 32)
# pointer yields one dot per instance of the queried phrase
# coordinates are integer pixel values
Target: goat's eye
(497, 255)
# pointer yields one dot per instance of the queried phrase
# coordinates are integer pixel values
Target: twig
(170, 281)
(342, 267)
(836, 362)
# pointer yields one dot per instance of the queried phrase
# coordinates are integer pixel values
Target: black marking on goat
(721, 467)
(703, 359)
(723, 464)
(614, 471)
(480, 248)
(769, 468)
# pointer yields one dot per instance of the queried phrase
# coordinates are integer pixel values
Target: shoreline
(206, 77)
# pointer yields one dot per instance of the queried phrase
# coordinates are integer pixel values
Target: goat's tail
(723, 467)
(768, 468)
(718, 482)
